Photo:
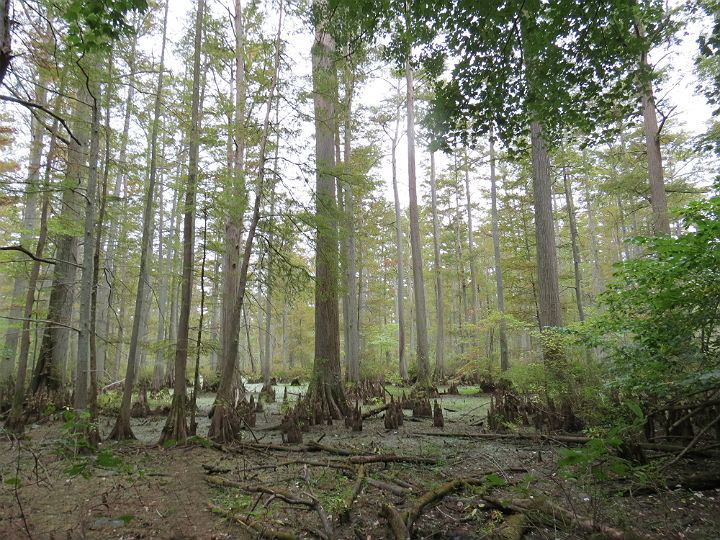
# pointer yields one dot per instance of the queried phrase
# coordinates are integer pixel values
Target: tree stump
(438, 419)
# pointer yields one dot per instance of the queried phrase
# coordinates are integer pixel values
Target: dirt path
(141, 491)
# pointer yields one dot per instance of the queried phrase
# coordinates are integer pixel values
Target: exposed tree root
(395, 520)
(226, 421)
(323, 403)
(175, 428)
(434, 496)
(255, 526)
(122, 431)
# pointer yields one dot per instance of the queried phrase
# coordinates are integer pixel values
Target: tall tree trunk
(114, 232)
(234, 225)
(198, 343)
(423, 360)
(437, 268)
(550, 309)
(325, 394)
(224, 426)
(16, 418)
(351, 320)
(574, 242)
(96, 366)
(402, 361)
(91, 93)
(122, 431)
(20, 282)
(97, 319)
(159, 364)
(284, 336)
(471, 246)
(176, 427)
(504, 361)
(48, 373)
(658, 197)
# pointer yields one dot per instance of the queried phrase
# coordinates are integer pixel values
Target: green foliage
(109, 402)
(94, 24)
(76, 447)
(600, 457)
(663, 309)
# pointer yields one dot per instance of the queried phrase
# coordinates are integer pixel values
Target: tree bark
(574, 242)
(176, 426)
(504, 360)
(223, 427)
(122, 430)
(423, 361)
(437, 270)
(326, 392)
(471, 246)
(658, 197)
(20, 282)
(5, 38)
(550, 308)
(351, 320)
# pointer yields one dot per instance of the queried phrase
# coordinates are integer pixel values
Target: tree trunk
(471, 247)
(115, 226)
(83, 359)
(437, 269)
(176, 426)
(574, 241)
(233, 239)
(550, 309)
(423, 361)
(658, 197)
(504, 361)
(224, 426)
(121, 430)
(16, 418)
(402, 361)
(351, 320)
(48, 375)
(325, 394)
(5, 38)
(7, 364)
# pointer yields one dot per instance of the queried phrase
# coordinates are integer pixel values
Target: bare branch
(32, 105)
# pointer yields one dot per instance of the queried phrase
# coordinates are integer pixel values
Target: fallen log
(373, 412)
(395, 490)
(435, 495)
(581, 522)
(285, 496)
(316, 446)
(390, 458)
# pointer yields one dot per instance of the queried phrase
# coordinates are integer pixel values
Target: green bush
(663, 309)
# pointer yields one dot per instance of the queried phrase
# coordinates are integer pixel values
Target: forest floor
(262, 488)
